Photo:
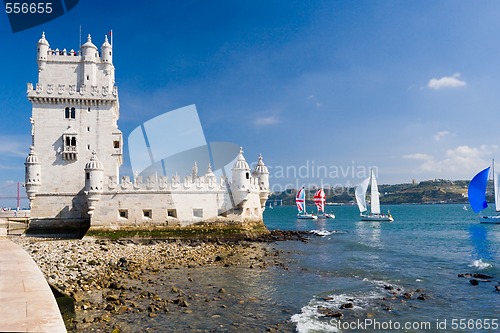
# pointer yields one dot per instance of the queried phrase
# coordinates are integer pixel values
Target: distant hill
(425, 192)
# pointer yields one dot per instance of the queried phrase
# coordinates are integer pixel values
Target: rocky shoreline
(159, 285)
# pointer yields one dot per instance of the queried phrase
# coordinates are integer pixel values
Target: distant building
(72, 170)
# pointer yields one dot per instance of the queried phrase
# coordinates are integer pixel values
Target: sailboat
(477, 194)
(319, 200)
(375, 214)
(300, 200)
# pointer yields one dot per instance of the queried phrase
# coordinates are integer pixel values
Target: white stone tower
(262, 174)
(75, 110)
(94, 182)
(32, 174)
(240, 185)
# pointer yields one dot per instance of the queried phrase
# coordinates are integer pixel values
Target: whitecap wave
(311, 320)
(322, 232)
(308, 321)
(480, 264)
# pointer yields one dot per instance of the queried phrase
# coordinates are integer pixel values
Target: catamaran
(319, 200)
(375, 214)
(477, 194)
(300, 200)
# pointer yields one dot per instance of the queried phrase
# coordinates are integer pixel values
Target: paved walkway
(26, 301)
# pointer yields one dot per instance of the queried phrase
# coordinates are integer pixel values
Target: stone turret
(107, 51)
(94, 175)
(33, 174)
(240, 184)
(90, 55)
(210, 176)
(262, 174)
(42, 51)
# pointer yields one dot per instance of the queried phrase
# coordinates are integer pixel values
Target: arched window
(73, 113)
(66, 113)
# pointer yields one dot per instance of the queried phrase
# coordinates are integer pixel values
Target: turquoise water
(373, 264)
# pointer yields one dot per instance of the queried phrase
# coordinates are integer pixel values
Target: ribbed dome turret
(42, 40)
(89, 43)
(209, 172)
(32, 158)
(106, 43)
(94, 163)
(241, 163)
(260, 167)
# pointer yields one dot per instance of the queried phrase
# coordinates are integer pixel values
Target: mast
(496, 193)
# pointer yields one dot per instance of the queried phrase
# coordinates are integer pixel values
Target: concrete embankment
(26, 301)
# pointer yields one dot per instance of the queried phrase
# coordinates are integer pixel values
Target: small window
(147, 213)
(88, 77)
(248, 175)
(88, 147)
(88, 109)
(87, 175)
(88, 128)
(172, 213)
(69, 113)
(116, 144)
(198, 212)
(123, 213)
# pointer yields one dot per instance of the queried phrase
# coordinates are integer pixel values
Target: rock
(222, 291)
(347, 306)
(329, 312)
(497, 288)
(423, 297)
(482, 276)
(474, 282)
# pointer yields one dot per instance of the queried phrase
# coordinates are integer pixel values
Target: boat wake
(480, 264)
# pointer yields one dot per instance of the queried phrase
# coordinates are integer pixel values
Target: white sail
(496, 192)
(375, 202)
(361, 194)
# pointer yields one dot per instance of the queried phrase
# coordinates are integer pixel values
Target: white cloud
(266, 121)
(446, 82)
(457, 162)
(441, 134)
(418, 156)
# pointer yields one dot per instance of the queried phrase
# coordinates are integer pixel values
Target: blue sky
(411, 87)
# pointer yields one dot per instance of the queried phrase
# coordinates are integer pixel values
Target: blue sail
(477, 191)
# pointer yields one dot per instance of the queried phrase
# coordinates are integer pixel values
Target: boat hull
(326, 216)
(306, 217)
(490, 219)
(377, 217)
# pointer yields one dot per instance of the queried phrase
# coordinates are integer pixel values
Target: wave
(323, 232)
(480, 264)
(310, 319)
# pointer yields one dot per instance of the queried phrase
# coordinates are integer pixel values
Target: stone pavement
(26, 301)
